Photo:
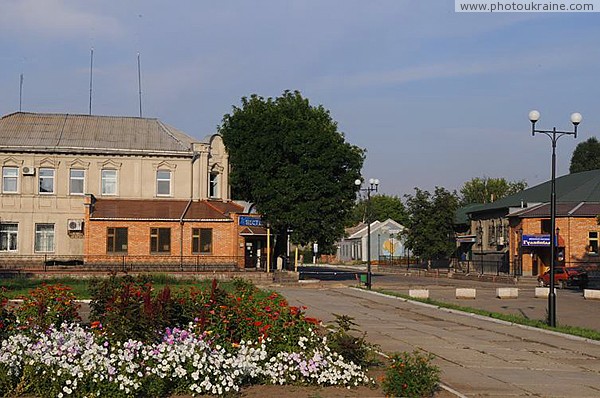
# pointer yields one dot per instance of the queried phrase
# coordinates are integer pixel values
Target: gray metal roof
(36, 132)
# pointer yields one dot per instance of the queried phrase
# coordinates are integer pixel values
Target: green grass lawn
(17, 287)
(572, 330)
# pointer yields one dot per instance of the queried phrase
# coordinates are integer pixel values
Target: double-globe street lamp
(554, 135)
(372, 187)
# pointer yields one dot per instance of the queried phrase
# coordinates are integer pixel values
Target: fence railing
(399, 260)
(485, 267)
(123, 263)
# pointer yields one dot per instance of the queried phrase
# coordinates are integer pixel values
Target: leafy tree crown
(586, 156)
(289, 158)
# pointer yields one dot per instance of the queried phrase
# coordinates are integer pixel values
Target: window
(76, 181)
(109, 182)
(46, 180)
(202, 240)
(116, 240)
(10, 179)
(593, 242)
(213, 186)
(546, 226)
(160, 240)
(8, 237)
(163, 183)
(44, 238)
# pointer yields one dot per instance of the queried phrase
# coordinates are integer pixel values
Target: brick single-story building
(174, 232)
(577, 236)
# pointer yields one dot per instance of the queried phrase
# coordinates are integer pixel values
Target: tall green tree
(488, 190)
(586, 156)
(288, 157)
(382, 208)
(430, 233)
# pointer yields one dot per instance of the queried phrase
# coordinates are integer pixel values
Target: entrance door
(534, 265)
(250, 254)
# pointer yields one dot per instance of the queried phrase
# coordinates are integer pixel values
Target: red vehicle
(565, 277)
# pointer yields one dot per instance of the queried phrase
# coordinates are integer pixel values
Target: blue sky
(436, 97)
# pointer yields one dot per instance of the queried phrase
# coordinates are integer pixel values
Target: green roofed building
(497, 237)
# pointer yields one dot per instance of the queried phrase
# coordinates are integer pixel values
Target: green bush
(7, 317)
(351, 347)
(125, 308)
(411, 375)
(128, 308)
(249, 314)
(47, 305)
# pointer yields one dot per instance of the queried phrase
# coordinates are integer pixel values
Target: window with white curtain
(44, 238)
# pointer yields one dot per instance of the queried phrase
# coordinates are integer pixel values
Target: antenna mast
(139, 82)
(91, 74)
(21, 93)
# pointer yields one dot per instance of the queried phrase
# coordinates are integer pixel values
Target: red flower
(96, 324)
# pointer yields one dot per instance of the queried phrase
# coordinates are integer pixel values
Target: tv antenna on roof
(21, 93)
(91, 74)
(139, 82)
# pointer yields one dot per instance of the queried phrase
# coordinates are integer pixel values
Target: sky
(435, 97)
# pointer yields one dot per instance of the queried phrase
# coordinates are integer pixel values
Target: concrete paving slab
(478, 357)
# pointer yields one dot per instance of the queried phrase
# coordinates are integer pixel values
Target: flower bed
(70, 360)
(145, 343)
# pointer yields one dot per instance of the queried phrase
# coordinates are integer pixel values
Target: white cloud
(54, 19)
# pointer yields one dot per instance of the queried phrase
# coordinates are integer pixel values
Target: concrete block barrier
(507, 292)
(419, 293)
(590, 294)
(466, 293)
(543, 292)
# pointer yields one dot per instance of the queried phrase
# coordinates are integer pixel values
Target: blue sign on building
(536, 240)
(247, 221)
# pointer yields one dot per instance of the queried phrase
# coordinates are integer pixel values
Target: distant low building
(387, 242)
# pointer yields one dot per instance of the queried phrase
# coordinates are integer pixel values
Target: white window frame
(45, 239)
(73, 179)
(46, 178)
(10, 236)
(6, 176)
(161, 181)
(105, 179)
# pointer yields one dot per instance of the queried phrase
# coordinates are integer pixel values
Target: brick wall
(226, 242)
(573, 231)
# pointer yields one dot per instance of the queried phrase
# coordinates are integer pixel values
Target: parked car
(566, 277)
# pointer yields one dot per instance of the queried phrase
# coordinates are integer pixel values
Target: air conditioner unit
(75, 225)
(28, 170)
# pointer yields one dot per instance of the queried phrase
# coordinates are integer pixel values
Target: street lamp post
(554, 135)
(372, 187)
